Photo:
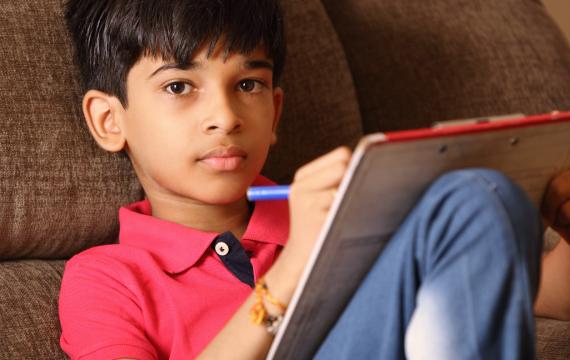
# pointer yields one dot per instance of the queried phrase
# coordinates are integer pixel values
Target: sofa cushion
(60, 192)
(28, 310)
(415, 62)
(552, 339)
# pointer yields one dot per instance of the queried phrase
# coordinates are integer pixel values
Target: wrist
(282, 278)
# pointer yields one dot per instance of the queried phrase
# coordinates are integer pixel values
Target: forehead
(258, 58)
(211, 50)
(204, 55)
(149, 67)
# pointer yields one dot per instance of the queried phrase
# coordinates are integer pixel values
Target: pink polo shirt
(165, 290)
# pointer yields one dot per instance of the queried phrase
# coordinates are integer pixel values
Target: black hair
(110, 36)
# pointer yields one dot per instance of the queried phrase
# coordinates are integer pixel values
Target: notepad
(386, 177)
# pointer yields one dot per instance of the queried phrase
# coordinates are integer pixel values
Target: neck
(217, 218)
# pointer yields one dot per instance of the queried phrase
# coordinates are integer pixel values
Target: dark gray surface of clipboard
(387, 182)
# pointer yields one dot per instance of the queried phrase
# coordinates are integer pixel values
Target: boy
(189, 90)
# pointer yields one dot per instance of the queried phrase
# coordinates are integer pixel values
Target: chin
(224, 197)
(227, 201)
(222, 189)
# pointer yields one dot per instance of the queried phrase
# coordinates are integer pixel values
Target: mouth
(224, 158)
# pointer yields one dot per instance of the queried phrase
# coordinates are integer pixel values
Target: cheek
(151, 137)
(261, 153)
(264, 116)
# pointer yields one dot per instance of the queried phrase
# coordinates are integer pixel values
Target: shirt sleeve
(100, 317)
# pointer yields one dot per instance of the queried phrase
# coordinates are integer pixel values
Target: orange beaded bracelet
(259, 314)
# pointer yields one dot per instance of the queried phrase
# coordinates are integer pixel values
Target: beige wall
(560, 11)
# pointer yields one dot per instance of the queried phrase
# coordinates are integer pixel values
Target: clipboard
(386, 176)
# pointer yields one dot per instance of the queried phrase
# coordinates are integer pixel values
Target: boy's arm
(554, 291)
(312, 194)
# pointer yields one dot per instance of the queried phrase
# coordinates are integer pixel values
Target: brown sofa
(354, 67)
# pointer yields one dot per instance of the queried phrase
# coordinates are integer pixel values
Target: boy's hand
(556, 205)
(311, 196)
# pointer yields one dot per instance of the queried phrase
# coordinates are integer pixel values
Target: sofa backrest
(321, 109)
(60, 193)
(415, 62)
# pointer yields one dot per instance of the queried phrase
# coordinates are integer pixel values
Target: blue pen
(279, 192)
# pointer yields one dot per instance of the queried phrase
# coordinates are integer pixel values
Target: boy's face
(201, 133)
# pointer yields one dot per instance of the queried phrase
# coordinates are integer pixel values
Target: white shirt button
(222, 248)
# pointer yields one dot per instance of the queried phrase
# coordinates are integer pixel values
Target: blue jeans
(457, 281)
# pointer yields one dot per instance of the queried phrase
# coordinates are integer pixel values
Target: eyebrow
(258, 64)
(178, 66)
(249, 65)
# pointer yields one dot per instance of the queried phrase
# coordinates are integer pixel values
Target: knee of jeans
(480, 182)
(464, 178)
(493, 191)
(493, 194)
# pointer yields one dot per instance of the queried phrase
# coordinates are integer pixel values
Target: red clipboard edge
(467, 129)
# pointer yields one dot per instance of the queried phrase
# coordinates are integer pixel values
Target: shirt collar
(177, 247)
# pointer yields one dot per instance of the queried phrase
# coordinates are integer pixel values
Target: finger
(327, 178)
(315, 200)
(562, 223)
(562, 219)
(324, 199)
(340, 154)
(557, 193)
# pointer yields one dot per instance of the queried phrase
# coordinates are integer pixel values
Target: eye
(250, 86)
(178, 88)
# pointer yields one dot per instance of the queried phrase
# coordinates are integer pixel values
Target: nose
(222, 116)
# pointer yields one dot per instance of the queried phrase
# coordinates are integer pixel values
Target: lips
(223, 158)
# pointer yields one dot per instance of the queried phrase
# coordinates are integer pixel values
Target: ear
(103, 114)
(278, 98)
